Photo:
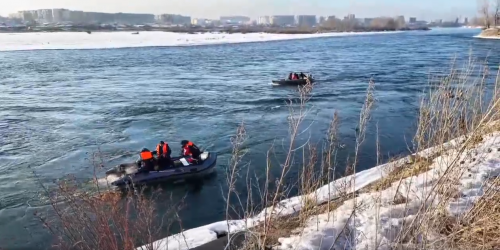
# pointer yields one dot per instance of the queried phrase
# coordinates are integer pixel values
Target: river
(59, 106)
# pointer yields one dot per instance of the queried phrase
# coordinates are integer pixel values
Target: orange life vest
(146, 155)
(164, 151)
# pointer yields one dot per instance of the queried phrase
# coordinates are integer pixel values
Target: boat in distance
(294, 82)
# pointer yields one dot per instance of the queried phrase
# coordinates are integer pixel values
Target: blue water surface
(59, 106)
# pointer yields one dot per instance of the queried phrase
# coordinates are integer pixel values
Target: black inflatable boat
(296, 82)
(127, 173)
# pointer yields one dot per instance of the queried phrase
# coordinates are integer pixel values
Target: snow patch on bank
(378, 222)
(108, 40)
(201, 235)
(487, 37)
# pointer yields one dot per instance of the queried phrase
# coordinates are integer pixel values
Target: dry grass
(421, 165)
(314, 172)
(480, 229)
(455, 107)
(93, 218)
(293, 224)
(440, 121)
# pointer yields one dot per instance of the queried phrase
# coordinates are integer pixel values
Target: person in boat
(190, 150)
(295, 76)
(290, 76)
(146, 161)
(302, 75)
(163, 152)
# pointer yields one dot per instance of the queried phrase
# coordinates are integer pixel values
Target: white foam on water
(106, 181)
(108, 40)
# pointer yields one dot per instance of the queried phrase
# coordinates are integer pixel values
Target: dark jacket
(190, 149)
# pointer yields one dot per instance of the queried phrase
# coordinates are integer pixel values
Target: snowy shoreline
(381, 219)
(115, 40)
(487, 37)
(199, 236)
(491, 33)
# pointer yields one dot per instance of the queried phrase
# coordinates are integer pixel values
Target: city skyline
(423, 9)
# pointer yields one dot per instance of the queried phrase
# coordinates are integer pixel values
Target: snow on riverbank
(198, 236)
(487, 37)
(491, 33)
(377, 224)
(106, 40)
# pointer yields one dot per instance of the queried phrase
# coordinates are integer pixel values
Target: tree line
(380, 23)
(489, 13)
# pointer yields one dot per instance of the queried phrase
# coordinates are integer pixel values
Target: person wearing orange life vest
(163, 152)
(146, 161)
(191, 150)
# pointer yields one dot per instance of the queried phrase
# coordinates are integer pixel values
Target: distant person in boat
(290, 76)
(146, 161)
(163, 151)
(190, 150)
(302, 75)
(295, 76)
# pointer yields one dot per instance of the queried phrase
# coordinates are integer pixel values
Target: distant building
(360, 21)
(34, 14)
(65, 15)
(57, 15)
(322, 19)
(413, 19)
(173, 19)
(75, 16)
(368, 21)
(15, 15)
(331, 18)
(350, 17)
(199, 21)
(466, 21)
(264, 20)
(400, 20)
(306, 20)
(44, 15)
(132, 18)
(28, 15)
(282, 20)
(418, 24)
(213, 23)
(234, 19)
(96, 17)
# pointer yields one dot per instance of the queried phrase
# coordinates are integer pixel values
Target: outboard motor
(118, 170)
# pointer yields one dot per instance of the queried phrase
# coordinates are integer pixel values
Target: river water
(58, 106)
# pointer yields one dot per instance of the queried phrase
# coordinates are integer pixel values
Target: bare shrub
(316, 169)
(458, 109)
(460, 106)
(96, 218)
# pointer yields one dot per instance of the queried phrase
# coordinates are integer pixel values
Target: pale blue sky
(426, 9)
